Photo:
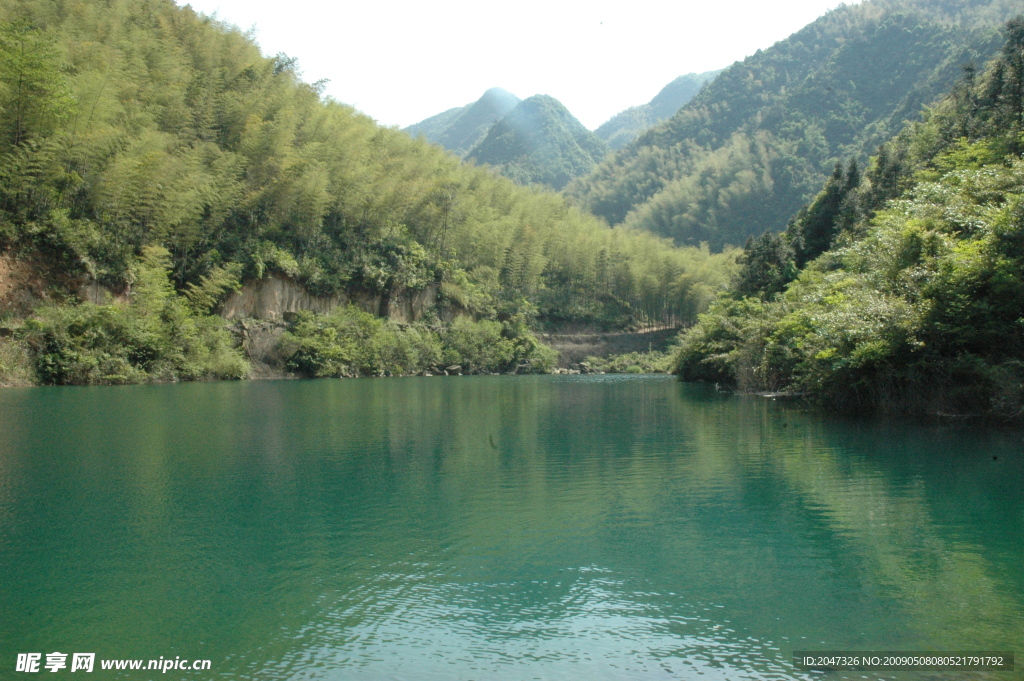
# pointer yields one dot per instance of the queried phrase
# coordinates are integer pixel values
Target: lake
(528, 527)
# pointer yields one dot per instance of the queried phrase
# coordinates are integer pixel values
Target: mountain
(758, 141)
(153, 161)
(626, 126)
(912, 282)
(461, 128)
(540, 142)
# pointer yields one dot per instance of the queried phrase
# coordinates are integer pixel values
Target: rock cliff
(273, 296)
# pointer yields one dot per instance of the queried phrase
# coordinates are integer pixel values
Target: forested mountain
(540, 142)
(157, 153)
(626, 126)
(901, 288)
(758, 141)
(462, 128)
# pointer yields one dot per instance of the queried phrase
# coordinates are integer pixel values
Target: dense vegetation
(158, 336)
(350, 342)
(651, 362)
(462, 128)
(757, 142)
(540, 142)
(626, 126)
(134, 124)
(911, 292)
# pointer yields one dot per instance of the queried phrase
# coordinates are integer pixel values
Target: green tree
(812, 231)
(34, 93)
(767, 266)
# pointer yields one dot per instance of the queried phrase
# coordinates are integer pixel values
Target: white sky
(401, 61)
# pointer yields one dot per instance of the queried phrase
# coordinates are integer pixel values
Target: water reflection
(478, 527)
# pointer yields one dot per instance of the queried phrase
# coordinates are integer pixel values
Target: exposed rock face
(410, 306)
(19, 285)
(28, 279)
(24, 284)
(270, 298)
(90, 291)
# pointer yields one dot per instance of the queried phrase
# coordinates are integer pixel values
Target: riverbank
(575, 346)
(61, 333)
(121, 344)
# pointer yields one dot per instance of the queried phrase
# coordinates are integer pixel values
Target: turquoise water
(496, 528)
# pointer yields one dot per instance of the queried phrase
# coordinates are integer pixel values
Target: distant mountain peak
(540, 142)
(461, 128)
(626, 126)
(499, 93)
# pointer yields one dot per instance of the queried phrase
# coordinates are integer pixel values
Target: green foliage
(652, 362)
(755, 144)
(529, 355)
(156, 337)
(834, 209)
(212, 288)
(767, 266)
(918, 303)
(15, 364)
(480, 345)
(144, 124)
(771, 261)
(35, 98)
(716, 348)
(919, 313)
(350, 342)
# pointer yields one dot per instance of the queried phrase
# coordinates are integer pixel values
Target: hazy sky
(402, 61)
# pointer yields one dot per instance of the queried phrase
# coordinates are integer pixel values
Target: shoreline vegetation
(899, 290)
(157, 334)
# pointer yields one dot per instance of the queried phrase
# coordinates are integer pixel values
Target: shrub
(653, 362)
(350, 342)
(15, 364)
(156, 337)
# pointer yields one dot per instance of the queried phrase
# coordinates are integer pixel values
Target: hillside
(900, 289)
(626, 126)
(540, 142)
(759, 140)
(462, 128)
(153, 160)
